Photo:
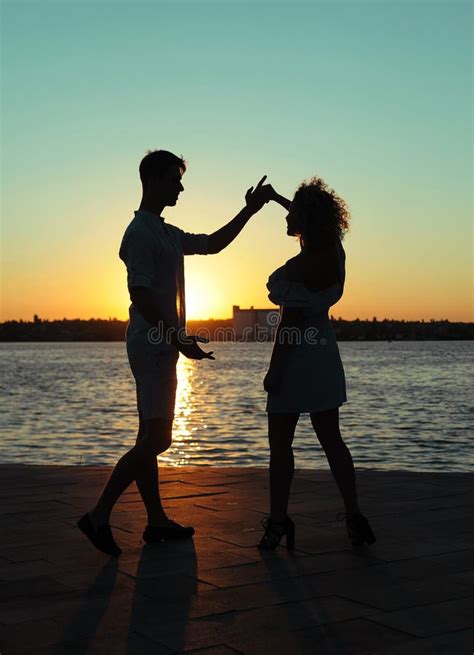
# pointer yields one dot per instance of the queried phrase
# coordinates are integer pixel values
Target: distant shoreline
(223, 330)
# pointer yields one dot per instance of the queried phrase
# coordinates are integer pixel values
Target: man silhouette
(153, 254)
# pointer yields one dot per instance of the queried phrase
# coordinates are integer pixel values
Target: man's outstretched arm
(221, 238)
(225, 235)
(255, 199)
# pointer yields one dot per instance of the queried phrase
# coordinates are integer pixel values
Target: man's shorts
(155, 376)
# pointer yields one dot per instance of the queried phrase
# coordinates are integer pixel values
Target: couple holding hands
(305, 374)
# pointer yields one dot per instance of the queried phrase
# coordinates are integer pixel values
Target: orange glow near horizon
(71, 288)
(200, 306)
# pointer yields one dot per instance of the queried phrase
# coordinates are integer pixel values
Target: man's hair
(157, 162)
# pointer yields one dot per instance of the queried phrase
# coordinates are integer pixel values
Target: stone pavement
(410, 593)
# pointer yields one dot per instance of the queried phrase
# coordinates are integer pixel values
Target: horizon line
(196, 320)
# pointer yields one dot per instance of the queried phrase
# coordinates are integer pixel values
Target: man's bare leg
(138, 461)
(148, 483)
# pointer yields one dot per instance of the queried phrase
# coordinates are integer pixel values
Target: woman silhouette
(306, 374)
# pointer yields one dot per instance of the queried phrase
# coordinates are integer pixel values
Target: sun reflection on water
(184, 445)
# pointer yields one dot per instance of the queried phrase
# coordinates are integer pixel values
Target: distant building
(254, 324)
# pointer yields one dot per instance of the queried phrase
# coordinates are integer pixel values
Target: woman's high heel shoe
(358, 528)
(274, 531)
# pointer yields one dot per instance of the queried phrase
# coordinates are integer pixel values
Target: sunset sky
(375, 97)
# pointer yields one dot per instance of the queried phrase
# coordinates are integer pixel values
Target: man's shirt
(153, 252)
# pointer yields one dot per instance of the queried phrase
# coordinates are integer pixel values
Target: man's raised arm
(255, 199)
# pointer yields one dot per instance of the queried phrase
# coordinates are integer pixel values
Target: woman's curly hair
(322, 215)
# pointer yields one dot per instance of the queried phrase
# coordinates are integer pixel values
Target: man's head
(160, 173)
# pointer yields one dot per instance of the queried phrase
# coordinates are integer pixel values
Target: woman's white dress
(306, 374)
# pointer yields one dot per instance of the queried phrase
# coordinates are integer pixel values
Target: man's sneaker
(169, 530)
(101, 538)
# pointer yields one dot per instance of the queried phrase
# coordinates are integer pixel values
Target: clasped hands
(263, 193)
(254, 199)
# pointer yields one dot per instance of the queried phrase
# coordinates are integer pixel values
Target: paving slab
(410, 593)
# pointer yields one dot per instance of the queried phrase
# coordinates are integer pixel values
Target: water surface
(409, 406)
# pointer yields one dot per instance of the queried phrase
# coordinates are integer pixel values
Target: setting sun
(366, 127)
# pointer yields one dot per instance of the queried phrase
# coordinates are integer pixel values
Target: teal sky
(375, 97)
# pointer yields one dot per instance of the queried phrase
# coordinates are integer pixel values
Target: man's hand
(188, 345)
(263, 193)
(255, 200)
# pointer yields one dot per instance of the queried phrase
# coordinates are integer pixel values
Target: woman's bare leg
(326, 426)
(281, 430)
